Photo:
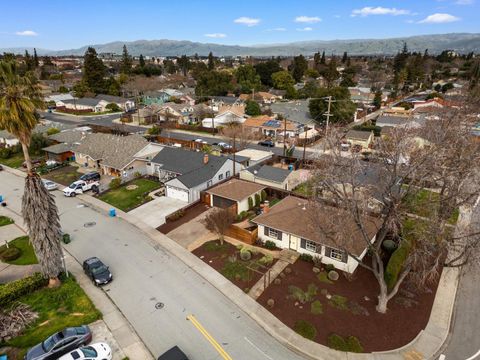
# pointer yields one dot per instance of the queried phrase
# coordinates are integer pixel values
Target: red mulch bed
(219, 257)
(376, 332)
(190, 213)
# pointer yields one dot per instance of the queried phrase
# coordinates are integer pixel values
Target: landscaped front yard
(64, 176)
(130, 195)
(58, 308)
(341, 314)
(228, 260)
(15, 161)
(26, 254)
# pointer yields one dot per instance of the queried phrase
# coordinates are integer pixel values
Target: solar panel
(272, 123)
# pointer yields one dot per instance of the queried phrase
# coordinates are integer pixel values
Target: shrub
(263, 195)
(113, 107)
(115, 183)
(329, 267)
(271, 303)
(250, 203)
(15, 289)
(6, 153)
(323, 277)
(389, 246)
(298, 294)
(316, 307)
(333, 275)
(305, 329)
(137, 174)
(52, 130)
(270, 245)
(395, 264)
(349, 344)
(11, 253)
(317, 261)
(66, 238)
(339, 302)
(306, 257)
(266, 260)
(154, 130)
(257, 200)
(245, 254)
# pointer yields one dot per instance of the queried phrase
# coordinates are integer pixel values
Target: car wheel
(95, 188)
(73, 194)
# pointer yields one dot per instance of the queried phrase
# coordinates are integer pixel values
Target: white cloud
(464, 2)
(247, 21)
(379, 10)
(216, 35)
(439, 18)
(305, 29)
(307, 19)
(26, 33)
(278, 29)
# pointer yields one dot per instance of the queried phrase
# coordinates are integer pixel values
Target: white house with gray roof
(186, 173)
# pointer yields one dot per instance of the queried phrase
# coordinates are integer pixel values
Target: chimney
(266, 207)
(205, 159)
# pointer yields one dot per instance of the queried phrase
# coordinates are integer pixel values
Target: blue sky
(66, 24)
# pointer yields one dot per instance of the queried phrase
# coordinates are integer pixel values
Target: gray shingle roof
(83, 101)
(60, 148)
(114, 151)
(68, 136)
(358, 135)
(294, 111)
(111, 98)
(4, 134)
(272, 173)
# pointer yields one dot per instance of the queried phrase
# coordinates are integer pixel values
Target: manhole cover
(89, 224)
(159, 305)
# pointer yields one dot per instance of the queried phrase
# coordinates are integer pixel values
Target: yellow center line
(209, 337)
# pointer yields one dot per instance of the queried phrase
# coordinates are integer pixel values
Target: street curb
(426, 344)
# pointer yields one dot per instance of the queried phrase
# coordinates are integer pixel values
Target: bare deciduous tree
(440, 156)
(218, 221)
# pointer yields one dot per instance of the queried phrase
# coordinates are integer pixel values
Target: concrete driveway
(153, 212)
(192, 234)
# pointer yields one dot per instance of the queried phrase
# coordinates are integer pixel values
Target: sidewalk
(424, 346)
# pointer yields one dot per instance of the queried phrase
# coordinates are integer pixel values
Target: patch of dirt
(349, 308)
(190, 214)
(217, 259)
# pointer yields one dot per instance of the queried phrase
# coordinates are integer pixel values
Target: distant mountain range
(460, 42)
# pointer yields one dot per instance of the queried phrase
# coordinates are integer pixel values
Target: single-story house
(361, 138)
(234, 193)
(272, 176)
(123, 103)
(58, 97)
(268, 126)
(296, 111)
(111, 154)
(80, 104)
(226, 115)
(186, 173)
(254, 156)
(7, 139)
(399, 121)
(60, 152)
(291, 225)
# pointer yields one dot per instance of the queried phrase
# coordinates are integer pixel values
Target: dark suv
(97, 271)
(268, 143)
(91, 176)
(60, 343)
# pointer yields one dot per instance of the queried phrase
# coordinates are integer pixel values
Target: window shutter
(328, 251)
(303, 243)
(345, 257)
(279, 237)
(265, 231)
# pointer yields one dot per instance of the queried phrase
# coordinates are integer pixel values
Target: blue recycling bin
(1, 198)
(290, 167)
(112, 213)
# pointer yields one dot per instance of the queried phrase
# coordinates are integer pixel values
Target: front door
(294, 242)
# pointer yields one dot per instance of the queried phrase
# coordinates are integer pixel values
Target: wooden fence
(243, 235)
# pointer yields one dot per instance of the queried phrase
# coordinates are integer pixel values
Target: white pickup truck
(80, 186)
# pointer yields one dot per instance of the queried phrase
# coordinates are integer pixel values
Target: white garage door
(176, 193)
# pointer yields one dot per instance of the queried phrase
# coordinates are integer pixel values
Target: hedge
(349, 344)
(15, 289)
(395, 264)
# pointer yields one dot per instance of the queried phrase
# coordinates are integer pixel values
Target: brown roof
(294, 216)
(358, 135)
(236, 190)
(236, 109)
(259, 122)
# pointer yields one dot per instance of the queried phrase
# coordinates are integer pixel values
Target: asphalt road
(145, 274)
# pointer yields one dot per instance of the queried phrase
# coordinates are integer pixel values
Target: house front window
(310, 246)
(273, 233)
(227, 174)
(209, 183)
(336, 254)
(220, 177)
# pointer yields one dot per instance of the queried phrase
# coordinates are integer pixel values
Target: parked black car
(91, 176)
(1, 167)
(268, 143)
(60, 343)
(173, 354)
(97, 271)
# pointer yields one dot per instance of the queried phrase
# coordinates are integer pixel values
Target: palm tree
(19, 98)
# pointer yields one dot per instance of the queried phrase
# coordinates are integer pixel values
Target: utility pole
(284, 136)
(304, 145)
(328, 113)
(234, 154)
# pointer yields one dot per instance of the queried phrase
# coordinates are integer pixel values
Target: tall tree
(331, 73)
(141, 61)
(94, 72)
(322, 59)
(377, 100)
(211, 61)
(298, 67)
(345, 57)
(20, 96)
(266, 69)
(126, 63)
(282, 80)
(342, 109)
(184, 64)
(28, 61)
(35, 58)
(252, 108)
(247, 78)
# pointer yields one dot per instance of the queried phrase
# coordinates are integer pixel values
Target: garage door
(176, 193)
(221, 202)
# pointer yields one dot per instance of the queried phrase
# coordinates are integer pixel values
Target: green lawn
(424, 203)
(5, 220)
(14, 162)
(304, 189)
(27, 256)
(126, 200)
(58, 308)
(64, 176)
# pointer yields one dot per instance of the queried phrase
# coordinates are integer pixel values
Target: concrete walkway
(424, 346)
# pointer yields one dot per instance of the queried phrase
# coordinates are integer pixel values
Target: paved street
(145, 275)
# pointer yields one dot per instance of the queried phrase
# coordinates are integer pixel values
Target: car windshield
(73, 186)
(88, 352)
(49, 343)
(99, 269)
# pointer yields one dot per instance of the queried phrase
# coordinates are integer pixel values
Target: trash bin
(112, 213)
(1, 198)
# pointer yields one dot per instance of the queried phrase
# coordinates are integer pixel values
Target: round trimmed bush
(333, 275)
(389, 246)
(245, 254)
(11, 253)
(271, 303)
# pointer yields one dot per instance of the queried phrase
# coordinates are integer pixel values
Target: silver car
(49, 185)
